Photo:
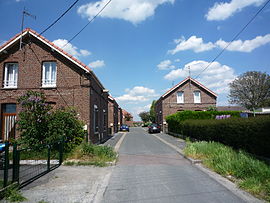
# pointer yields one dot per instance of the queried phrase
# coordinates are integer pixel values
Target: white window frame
(197, 98)
(11, 82)
(180, 99)
(49, 82)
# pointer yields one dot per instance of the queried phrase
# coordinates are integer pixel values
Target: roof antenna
(25, 13)
(189, 76)
(172, 83)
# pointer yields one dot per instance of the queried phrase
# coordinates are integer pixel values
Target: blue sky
(140, 48)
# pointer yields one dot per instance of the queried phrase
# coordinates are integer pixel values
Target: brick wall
(73, 84)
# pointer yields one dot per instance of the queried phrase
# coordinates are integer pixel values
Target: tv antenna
(25, 13)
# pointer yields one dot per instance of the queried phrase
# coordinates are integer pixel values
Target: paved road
(150, 171)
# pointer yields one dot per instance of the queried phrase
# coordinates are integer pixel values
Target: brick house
(113, 115)
(189, 94)
(42, 66)
(120, 116)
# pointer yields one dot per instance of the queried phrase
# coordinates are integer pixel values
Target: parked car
(154, 128)
(124, 128)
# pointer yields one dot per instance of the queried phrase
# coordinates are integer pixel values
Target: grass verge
(13, 195)
(247, 172)
(90, 154)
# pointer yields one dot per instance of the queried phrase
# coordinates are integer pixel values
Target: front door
(8, 121)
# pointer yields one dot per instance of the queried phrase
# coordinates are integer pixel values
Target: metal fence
(24, 165)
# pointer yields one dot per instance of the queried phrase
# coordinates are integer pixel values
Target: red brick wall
(69, 91)
(169, 105)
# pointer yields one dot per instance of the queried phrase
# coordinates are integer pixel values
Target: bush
(39, 125)
(174, 120)
(250, 134)
(63, 124)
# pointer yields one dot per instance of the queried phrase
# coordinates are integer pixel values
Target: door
(8, 121)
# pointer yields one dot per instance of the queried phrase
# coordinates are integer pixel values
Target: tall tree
(251, 90)
(145, 116)
(152, 111)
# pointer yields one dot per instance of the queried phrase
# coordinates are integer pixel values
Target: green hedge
(174, 120)
(249, 134)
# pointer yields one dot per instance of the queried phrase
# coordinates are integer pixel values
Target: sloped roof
(33, 33)
(183, 82)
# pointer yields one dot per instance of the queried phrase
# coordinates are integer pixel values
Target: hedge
(249, 134)
(174, 120)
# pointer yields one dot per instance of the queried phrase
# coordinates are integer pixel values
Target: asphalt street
(150, 171)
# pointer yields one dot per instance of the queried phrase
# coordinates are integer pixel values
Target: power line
(220, 53)
(58, 18)
(88, 23)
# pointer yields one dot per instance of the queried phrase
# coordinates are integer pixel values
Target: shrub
(250, 134)
(174, 120)
(33, 118)
(39, 125)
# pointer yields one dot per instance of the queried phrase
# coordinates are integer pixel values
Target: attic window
(49, 74)
(180, 97)
(11, 75)
(197, 97)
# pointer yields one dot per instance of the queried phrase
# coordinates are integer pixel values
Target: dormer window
(197, 97)
(180, 97)
(49, 74)
(11, 75)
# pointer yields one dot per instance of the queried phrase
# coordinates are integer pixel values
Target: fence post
(49, 158)
(16, 164)
(61, 149)
(6, 164)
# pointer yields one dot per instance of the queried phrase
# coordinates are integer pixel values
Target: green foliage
(175, 120)
(64, 124)
(211, 108)
(33, 118)
(38, 124)
(152, 112)
(13, 195)
(250, 134)
(90, 154)
(145, 116)
(250, 173)
(251, 90)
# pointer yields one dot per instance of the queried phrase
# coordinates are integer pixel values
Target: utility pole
(24, 13)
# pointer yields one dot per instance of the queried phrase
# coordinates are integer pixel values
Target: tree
(145, 116)
(153, 112)
(251, 90)
(128, 117)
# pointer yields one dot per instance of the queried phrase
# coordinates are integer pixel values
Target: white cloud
(71, 49)
(177, 60)
(97, 64)
(137, 94)
(134, 11)
(216, 77)
(193, 43)
(165, 65)
(245, 46)
(140, 109)
(224, 10)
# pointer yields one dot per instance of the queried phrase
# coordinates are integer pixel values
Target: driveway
(150, 171)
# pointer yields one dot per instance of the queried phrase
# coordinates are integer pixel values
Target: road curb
(180, 151)
(245, 196)
(118, 144)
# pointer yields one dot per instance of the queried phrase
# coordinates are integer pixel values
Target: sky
(141, 48)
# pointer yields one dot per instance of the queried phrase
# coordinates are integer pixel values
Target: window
(95, 118)
(49, 74)
(104, 120)
(180, 97)
(197, 97)
(11, 75)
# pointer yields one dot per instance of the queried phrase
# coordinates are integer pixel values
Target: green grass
(37, 155)
(249, 173)
(13, 195)
(89, 154)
